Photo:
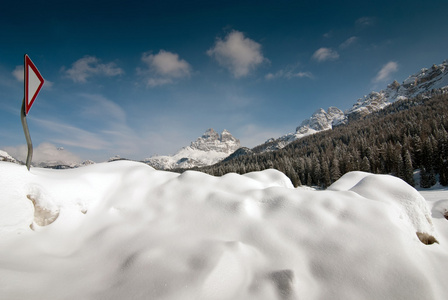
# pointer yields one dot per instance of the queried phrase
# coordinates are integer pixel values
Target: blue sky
(138, 78)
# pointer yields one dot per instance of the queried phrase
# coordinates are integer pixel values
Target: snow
(123, 230)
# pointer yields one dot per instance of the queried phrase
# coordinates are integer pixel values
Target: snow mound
(123, 230)
(410, 205)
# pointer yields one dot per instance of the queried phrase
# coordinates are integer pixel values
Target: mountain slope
(408, 139)
(4, 156)
(423, 82)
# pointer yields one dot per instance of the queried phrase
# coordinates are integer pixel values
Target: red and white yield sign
(33, 83)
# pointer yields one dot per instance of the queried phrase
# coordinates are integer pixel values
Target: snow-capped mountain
(319, 121)
(208, 149)
(423, 82)
(48, 163)
(4, 156)
(434, 78)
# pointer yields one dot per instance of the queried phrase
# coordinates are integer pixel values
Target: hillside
(405, 136)
(422, 83)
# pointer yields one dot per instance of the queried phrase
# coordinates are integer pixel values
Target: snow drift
(123, 230)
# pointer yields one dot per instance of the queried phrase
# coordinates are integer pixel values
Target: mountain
(422, 83)
(320, 120)
(208, 149)
(4, 156)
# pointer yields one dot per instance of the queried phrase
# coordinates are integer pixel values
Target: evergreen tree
(326, 181)
(365, 164)
(335, 173)
(408, 170)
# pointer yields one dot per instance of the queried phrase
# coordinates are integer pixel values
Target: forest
(406, 136)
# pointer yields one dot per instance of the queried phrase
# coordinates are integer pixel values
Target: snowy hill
(208, 149)
(4, 156)
(421, 83)
(122, 230)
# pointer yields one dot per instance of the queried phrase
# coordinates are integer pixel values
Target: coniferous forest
(405, 136)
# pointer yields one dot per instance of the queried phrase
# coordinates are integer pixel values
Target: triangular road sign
(33, 83)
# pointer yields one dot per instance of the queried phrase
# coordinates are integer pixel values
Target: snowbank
(123, 230)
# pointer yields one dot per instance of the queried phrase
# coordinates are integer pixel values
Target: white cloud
(102, 127)
(90, 66)
(70, 135)
(365, 21)
(324, 54)
(43, 153)
(350, 41)
(288, 74)
(386, 71)
(238, 54)
(18, 73)
(164, 67)
(328, 34)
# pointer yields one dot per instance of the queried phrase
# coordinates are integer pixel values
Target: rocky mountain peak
(210, 134)
(213, 141)
(419, 83)
(206, 150)
(322, 120)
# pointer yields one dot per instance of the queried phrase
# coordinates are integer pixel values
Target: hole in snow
(42, 215)
(426, 239)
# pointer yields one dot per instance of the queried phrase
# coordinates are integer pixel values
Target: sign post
(33, 83)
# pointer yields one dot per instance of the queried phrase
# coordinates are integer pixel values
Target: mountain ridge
(424, 81)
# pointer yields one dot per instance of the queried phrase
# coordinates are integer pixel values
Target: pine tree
(443, 175)
(335, 173)
(365, 164)
(408, 170)
(326, 181)
(316, 171)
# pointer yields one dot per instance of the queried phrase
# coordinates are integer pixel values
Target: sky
(139, 78)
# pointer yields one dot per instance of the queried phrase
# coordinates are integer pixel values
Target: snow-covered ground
(123, 230)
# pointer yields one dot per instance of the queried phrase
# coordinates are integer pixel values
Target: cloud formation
(324, 54)
(348, 42)
(45, 152)
(365, 21)
(89, 66)
(237, 53)
(164, 67)
(18, 73)
(288, 74)
(386, 71)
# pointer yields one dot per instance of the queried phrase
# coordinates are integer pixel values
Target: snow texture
(122, 230)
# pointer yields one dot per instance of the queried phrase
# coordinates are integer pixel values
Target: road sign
(33, 83)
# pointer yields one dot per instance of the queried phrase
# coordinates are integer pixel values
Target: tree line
(405, 136)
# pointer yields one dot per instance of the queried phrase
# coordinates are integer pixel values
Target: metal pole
(29, 157)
